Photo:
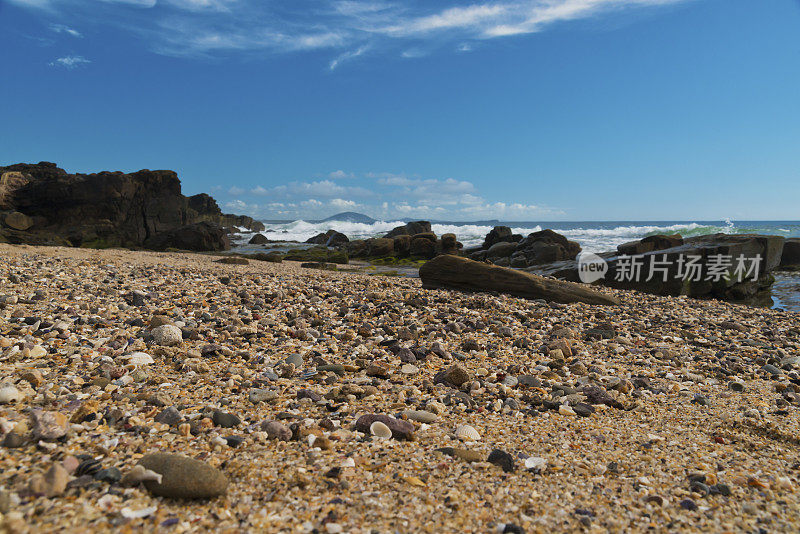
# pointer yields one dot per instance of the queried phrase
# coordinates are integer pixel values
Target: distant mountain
(350, 216)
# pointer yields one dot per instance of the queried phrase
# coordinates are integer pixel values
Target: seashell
(467, 433)
(535, 463)
(89, 466)
(129, 513)
(380, 430)
(421, 416)
(9, 394)
(139, 474)
(348, 462)
(139, 358)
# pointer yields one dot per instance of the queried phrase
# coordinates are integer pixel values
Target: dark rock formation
(672, 276)
(412, 228)
(43, 204)
(650, 243)
(199, 237)
(503, 248)
(258, 239)
(331, 238)
(453, 272)
(790, 257)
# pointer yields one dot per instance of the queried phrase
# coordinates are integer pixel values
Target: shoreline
(697, 395)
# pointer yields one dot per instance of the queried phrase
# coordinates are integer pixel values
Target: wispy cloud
(69, 62)
(347, 28)
(60, 28)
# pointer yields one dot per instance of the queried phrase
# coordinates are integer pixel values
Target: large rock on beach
(453, 272)
(331, 238)
(45, 205)
(183, 477)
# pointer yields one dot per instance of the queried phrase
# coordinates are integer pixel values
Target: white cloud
(386, 195)
(346, 57)
(349, 28)
(339, 175)
(69, 62)
(60, 28)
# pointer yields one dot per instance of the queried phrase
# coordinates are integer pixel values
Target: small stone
(308, 394)
(169, 416)
(183, 477)
(33, 377)
(110, 475)
(49, 426)
(738, 387)
(225, 420)
(9, 394)
(455, 376)
(400, 429)
(167, 335)
(467, 455)
(13, 440)
(262, 395)
(582, 409)
(294, 359)
(51, 484)
(688, 504)
(501, 459)
(276, 430)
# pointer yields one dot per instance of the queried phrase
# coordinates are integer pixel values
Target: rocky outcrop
(199, 237)
(453, 272)
(715, 271)
(650, 243)
(207, 210)
(790, 257)
(412, 228)
(503, 248)
(43, 204)
(422, 245)
(331, 238)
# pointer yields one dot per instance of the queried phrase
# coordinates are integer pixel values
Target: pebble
(276, 430)
(9, 394)
(421, 416)
(49, 426)
(183, 477)
(52, 483)
(501, 459)
(167, 335)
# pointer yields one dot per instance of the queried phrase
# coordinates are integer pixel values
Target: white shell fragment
(139, 474)
(467, 433)
(380, 430)
(138, 358)
(129, 513)
(535, 463)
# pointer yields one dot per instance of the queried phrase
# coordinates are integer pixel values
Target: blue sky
(515, 109)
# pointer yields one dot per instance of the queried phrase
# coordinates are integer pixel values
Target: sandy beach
(506, 415)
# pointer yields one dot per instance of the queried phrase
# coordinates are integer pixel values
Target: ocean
(598, 236)
(592, 236)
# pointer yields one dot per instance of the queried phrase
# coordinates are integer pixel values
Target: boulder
(421, 245)
(650, 243)
(258, 239)
(18, 221)
(450, 244)
(412, 228)
(402, 245)
(790, 257)
(498, 234)
(197, 237)
(453, 272)
(380, 247)
(501, 249)
(331, 238)
(547, 246)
